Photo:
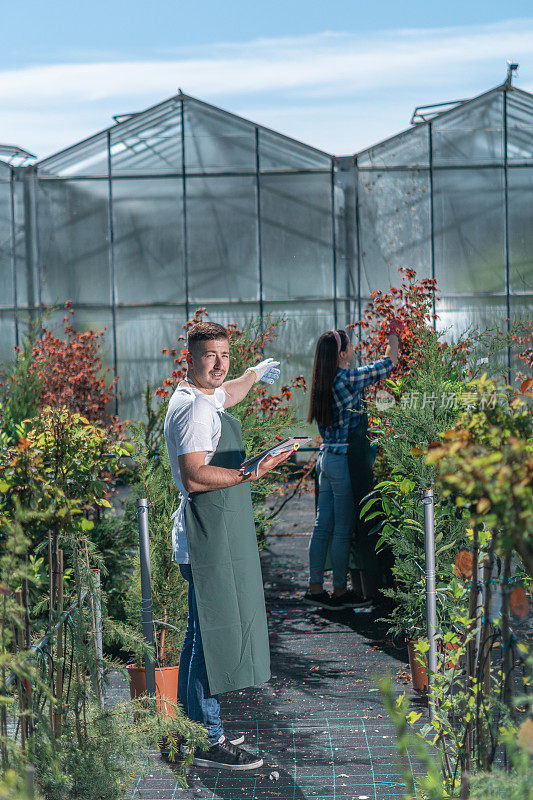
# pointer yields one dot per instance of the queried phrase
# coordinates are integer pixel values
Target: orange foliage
(71, 373)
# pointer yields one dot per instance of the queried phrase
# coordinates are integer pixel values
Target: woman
(335, 406)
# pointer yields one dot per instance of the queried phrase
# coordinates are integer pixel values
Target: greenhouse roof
(185, 135)
(14, 156)
(471, 131)
(182, 134)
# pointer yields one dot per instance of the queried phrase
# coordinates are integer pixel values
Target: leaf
(373, 515)
(407, 486)
(464, 564)
(483, 505)
(367, 506)
(87, 524)
(3, 486)
(413, 717)
(416, 451)
(103, 502)
(449, 434)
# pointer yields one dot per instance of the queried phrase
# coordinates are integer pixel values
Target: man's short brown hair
(204, 332)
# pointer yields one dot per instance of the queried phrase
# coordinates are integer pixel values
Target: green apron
(363, 554)
(227, 575)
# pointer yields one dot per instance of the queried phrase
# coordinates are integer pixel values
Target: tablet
(292, 443)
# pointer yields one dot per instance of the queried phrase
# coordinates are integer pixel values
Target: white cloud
(46, 107)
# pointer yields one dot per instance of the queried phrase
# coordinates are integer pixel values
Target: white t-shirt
(192, 425)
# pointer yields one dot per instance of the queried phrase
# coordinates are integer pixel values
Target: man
(214, 542)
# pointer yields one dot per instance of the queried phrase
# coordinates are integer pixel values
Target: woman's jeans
(193, 687)
(335, 519)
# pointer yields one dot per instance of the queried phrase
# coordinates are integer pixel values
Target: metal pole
(30, 780)
(432, 214)
(146, 592)
(431, 590)
(111, 257)
(358, 244)
(507, 239)
(98, 637)
(184, 208)
(333, 243)
(13, 225)
(259, 238)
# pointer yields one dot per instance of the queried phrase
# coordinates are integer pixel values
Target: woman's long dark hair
(324, 370)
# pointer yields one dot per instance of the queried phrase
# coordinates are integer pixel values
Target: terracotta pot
(166, 686)
(418, 664)
(418, 670)
(418, 667)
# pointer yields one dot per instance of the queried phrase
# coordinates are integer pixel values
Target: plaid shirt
(347, 389)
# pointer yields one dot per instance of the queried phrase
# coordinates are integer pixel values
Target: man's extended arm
(197, 476)
(236, 390)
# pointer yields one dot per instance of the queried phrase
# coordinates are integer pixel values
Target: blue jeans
(335, 519)
(193, 687)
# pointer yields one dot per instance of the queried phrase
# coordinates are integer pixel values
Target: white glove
(266, 371)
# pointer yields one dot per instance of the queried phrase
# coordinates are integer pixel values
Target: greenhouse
(365, 613)
(185, 205)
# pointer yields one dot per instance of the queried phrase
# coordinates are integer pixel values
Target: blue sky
(338, 75)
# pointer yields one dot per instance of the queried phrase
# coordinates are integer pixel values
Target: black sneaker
(225, 755)
(353, 599)
(164, 747)
(324, 600)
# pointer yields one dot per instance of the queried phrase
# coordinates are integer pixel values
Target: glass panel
(148, 143)
(240, 313)
(395, 229)
(296, 236)
(408, 149)
(7, 337)
(347, 314)
(469, 231)
(84, 319)
(470, 134)
(345, 235)
(26, 272)
(148, 237)
(521, 230)
(86, 158)
(141, 335)
(519, 126)
(73, 241)
(457, 314)
(6, 267)
(222, 239)
(278, 153)
(217, 142)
